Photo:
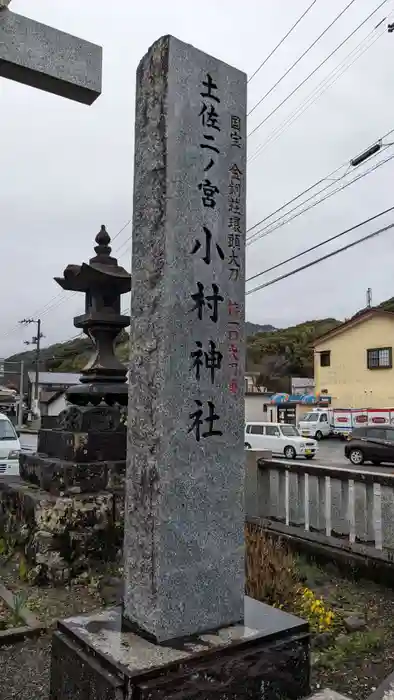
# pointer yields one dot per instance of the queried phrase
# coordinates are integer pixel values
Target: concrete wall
(57, 406)
(348, 380)
(255, 405)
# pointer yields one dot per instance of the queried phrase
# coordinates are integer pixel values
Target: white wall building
(50, 385)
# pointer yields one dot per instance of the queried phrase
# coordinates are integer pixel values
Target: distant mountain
(253, 328)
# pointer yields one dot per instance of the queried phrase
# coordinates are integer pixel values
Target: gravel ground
(25, 670)
(49, 605)
(357, 663)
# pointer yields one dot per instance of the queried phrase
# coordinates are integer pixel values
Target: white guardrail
(329, 505)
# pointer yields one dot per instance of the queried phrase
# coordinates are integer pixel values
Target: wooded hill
(275, 353)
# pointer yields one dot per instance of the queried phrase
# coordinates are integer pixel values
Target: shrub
(272, 576)
(271, 571)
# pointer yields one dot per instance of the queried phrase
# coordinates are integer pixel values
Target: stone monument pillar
(184, 519)
(185, 628)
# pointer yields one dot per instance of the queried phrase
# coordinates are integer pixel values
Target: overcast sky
(67, 168)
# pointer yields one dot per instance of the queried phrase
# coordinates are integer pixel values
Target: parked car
(280, 438)
(370, 444)
(9, 448)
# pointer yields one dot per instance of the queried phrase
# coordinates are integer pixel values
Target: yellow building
(354, 361)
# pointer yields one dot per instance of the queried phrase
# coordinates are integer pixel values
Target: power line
(320, 89)
(319, 245)
(300, 58)
(317, 68)
(318, 260)
(263, 232)
(297, 115)
(315, 184)
(255, 236)
(80, 335)
(61, 297)
(282, 40)
(67, 297)
(62, 293)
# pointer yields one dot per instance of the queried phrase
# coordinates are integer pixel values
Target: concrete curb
(17, 634)
(32, 625)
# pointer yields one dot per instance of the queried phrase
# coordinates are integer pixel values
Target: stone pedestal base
(265, 658)
(68, 508)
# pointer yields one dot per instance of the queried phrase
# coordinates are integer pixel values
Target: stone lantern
(103, 282)
(77, 475)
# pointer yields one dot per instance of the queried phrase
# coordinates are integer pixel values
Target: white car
(9, 448)
(280, 438)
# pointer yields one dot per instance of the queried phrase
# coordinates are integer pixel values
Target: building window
(380, 358)
(325, 358)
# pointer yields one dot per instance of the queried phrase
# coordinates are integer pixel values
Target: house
(354, 361)
(300, 386)
(51, 386)
(264, 405)
(257, 398)
(52, 402)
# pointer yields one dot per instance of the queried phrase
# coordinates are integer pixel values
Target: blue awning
(305, 399)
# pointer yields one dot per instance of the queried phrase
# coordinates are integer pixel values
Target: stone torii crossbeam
(45, 58)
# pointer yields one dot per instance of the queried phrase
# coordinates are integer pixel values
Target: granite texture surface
(184, 557)
(45, 58)
(237, 662)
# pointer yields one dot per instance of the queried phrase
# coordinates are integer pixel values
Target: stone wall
(60, 535)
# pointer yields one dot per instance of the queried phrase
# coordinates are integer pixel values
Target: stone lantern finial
(102, 239)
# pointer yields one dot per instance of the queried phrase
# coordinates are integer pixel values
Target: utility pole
(20, 407)
(35, 341)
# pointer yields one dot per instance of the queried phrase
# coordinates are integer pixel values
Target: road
(331, 454)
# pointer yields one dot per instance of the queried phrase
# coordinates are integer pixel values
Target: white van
(280, 438)
(9, 448)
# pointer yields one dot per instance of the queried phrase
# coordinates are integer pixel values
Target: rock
(112, 595)
(113, 581)
(321, 640)
(354, 624)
